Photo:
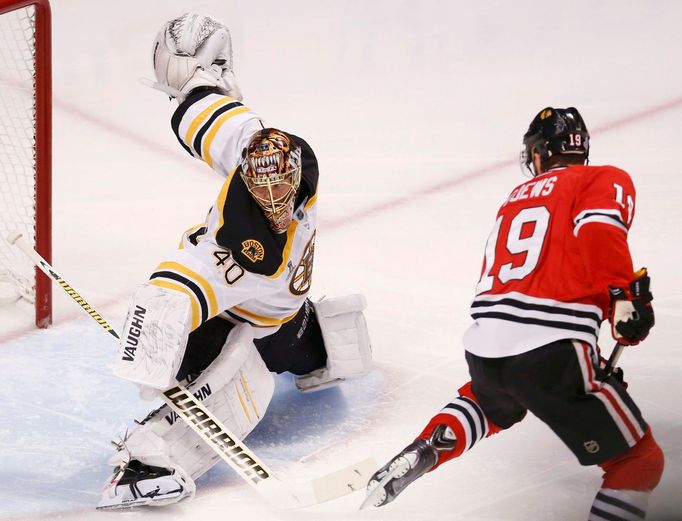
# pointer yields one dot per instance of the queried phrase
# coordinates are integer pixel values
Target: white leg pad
(237, 388)
(154, 337)
(346, 340)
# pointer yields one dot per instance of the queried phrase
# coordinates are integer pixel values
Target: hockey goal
(25, 149)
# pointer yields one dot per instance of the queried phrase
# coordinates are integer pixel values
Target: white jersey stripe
(542, 315)
(465, 425)
(572, 306)
(626, 412)
(478, 415)
(599, 219)
(606, 211)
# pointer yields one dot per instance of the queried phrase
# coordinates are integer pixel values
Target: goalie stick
(230, 448)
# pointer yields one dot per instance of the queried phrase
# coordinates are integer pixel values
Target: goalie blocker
(158, 325)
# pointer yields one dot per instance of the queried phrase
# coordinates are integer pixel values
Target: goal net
(25, 121)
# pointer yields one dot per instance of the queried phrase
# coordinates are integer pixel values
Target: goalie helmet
(271, 169)
(555, 132)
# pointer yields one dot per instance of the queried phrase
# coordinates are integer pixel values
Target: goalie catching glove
(632, 315)
(194, 51)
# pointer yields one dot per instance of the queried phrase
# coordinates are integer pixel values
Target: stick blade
(344, 481)
(319, 490)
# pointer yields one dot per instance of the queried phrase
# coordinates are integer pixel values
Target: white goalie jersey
(232, 264)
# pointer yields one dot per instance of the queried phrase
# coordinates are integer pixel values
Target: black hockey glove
(632, 315)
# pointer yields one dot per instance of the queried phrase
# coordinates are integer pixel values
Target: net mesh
(17, 145)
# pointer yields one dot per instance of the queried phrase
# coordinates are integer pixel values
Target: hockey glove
(632, 315)
(193, 51)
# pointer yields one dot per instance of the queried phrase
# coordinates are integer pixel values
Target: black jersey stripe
(537, 307)
(612, 216)
(537, 321)
(193, 287)
(619, 503)
(603, 515)
(479, 413)
(180, 113)
(196, 144)
(470, 420)
(194, 237)
(240, 319)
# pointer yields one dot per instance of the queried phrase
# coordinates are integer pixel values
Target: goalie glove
(632, 315)
(194, 51)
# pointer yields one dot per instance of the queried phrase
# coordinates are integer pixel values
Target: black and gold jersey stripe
(221, 109)
(204, 126)
(243, 316)
(173, 275)
(180, 112)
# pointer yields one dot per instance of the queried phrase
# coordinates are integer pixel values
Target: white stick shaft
(615, 355)
(223, 442)
(208, 427)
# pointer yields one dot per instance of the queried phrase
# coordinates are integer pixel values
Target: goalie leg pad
(154, 336)
(346, 340)
(236, 388)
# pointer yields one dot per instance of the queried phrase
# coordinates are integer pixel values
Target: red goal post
(27, 66)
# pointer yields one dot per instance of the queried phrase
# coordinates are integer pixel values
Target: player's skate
(135, 484)
(413, 462)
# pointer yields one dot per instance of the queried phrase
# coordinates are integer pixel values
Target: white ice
(416, 111)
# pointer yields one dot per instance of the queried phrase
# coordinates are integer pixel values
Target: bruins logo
(303, 274)
(253, 250)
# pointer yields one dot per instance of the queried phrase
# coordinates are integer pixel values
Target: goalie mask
(271, 169)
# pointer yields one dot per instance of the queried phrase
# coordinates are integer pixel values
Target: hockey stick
(615, 355)
(230, 448)
(613, 359)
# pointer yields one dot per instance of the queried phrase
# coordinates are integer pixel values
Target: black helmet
(556, 132)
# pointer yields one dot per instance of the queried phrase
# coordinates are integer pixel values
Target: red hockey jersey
(559, 241)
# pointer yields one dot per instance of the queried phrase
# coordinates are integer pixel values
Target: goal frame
(43, 148)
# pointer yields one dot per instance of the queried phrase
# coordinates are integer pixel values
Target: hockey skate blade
(322, 489)
(371, 498)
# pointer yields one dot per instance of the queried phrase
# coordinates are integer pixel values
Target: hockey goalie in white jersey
(230, 305)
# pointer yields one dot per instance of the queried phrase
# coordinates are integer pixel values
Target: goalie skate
(137, 484)
(413, 462)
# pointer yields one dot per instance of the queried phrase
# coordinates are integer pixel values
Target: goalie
(230, 305)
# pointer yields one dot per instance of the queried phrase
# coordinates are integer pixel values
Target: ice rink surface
(416, 111)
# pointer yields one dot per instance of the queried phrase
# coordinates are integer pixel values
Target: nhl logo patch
(591, 446)
(253, 250)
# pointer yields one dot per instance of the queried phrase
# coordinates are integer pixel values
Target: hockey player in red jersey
(556, 264)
